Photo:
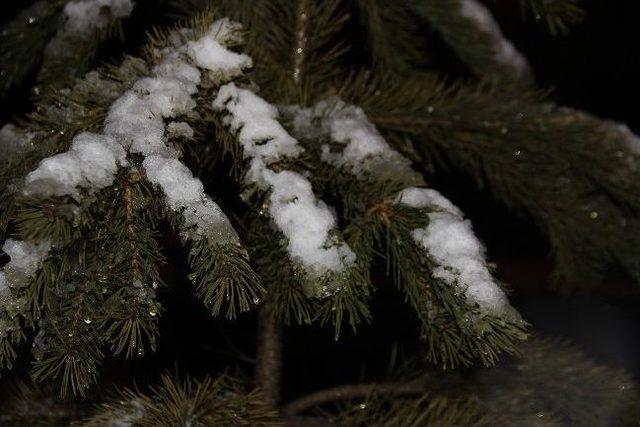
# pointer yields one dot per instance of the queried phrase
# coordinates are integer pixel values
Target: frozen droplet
(362, 406)
(504, 131)
(87, 320)
(516, 153)
(256, 300)
(593, 215)
(153, 310)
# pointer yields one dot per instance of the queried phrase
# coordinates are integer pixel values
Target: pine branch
(24, 40)
(582, 194)
(73, 326)
(350, 392)
(470, 29)
(559, 17)
(375, 185)
(393, 34)
(218, 401)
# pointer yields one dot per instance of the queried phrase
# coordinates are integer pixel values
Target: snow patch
(25, 260)
(305, 221)
(505, 52)
(85, 16)
(90, 163)
(135, 123)
(186, 194)
(362, 149)
(450, 241)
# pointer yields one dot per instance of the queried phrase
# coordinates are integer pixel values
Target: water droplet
(504, 131)
(87, 320)
(31, 20)
(430, 109)
(256, 300)
(516, 153)
(153, 311)
(362, 406)
(593, 215)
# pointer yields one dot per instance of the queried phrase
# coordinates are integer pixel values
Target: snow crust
(307, 223)
(505, 52)
(450, 241)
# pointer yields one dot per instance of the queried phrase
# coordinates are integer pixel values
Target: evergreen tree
(284, 146)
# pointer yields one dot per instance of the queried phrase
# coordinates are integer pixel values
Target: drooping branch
(351, 391)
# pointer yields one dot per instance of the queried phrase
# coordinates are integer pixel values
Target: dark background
(594, 68)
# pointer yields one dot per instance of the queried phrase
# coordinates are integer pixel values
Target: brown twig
(269, 355)
(350, 391)
(383, 210)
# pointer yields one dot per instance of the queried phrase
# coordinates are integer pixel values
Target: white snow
(450, 242)
(186, 194)
(82, 19)
(25, 260)
(210, 54)
(179, 129)
(91, 163)
(505, 52)
(84, 16)
(363, 149)
(305, 221)
(12, 140)
(262, 137)
(135, 124)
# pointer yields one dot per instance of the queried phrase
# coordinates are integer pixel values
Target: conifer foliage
(327, 145)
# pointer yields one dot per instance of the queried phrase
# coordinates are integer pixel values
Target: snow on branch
(505, 52)
(84, 16)
(13, 140)
(448, 239)
(25, 259)
(91, 162)
(460, 256)
(135, 123)
(360, 147)
(82, 19)
(307, 223)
